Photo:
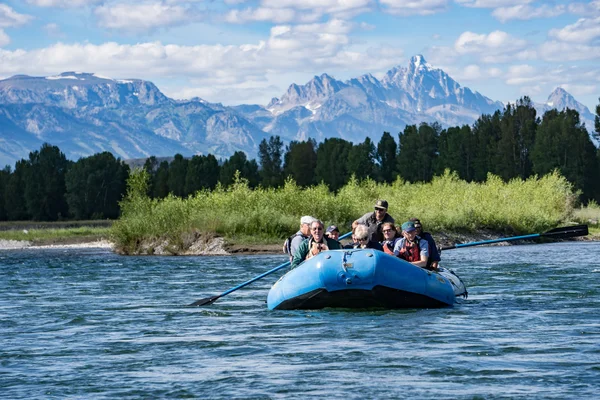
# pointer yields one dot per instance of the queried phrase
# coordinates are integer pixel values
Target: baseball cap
(332, 228)
(416, 221)
(381, 204)
(408, 226)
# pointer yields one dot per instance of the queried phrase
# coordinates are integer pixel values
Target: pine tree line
(511, 143)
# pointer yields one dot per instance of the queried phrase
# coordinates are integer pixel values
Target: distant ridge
(85, 113)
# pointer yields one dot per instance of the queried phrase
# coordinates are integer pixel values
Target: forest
(513, 143)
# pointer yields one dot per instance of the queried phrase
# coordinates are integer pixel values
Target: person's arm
(300, 254)
(294, 244)
(362, 220)
(398, 246)
(424, 254)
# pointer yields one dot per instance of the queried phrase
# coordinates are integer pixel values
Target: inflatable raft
(364, 279)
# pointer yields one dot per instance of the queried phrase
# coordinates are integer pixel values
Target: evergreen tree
(386, 158)
(486, 133)
(418, 152)
(301, 162)
(4, 177)
(270, 154)
(44, 191)
(563, 143)
(597, 122)
(14, 197)
(202, 173)
(456, 150)
(239, 162)
(95, 185)
(517, 133)
(160, 183)
(177, 174)
(332, 161)
(361, 160)
(151, 167)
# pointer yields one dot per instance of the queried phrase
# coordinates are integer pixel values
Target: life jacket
(387, 249)
(288, 242)
(411, 253)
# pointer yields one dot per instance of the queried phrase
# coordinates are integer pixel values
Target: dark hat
(408, 226)
(417, 222)
(332, 228)
(381, 204)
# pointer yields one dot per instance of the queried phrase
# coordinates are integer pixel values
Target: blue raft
(363, 279)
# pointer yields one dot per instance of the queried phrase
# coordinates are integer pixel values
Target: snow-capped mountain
(84, 113)
(560, 99)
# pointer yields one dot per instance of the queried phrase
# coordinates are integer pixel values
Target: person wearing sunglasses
(361, 239)
(412, 248)
(315, 244)
(374, 220)
(434, 254)
(390, 237)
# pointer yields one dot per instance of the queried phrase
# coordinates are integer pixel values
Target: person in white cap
(291, 244)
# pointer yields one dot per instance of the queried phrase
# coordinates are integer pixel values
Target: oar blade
(568, 231)
(204, 302)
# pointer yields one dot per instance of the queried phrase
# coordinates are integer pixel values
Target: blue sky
(237, 51)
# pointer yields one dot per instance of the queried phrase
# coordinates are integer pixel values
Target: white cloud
(561, 51)
(591, 9)
(4, 39)
(53, 29)
(288, 49)
(526, 12)
(579, 89)
(491, 3)
(144, 16)
(283, 11)
(585, 30)
(497, 46)
(63, 3)
(414, 7)
(261, 14)
(10, 18)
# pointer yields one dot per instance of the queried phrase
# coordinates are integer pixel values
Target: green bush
(445, 204)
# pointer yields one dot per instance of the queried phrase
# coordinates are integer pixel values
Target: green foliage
(177, 175)
(300, 161)
(386, 158)
(44, 184)
(563, 143)
(332, 161)
(202, 173)
(95, 185)
(418, 152)
(270, 153)
(4, 177)
(446, 203)
(361, 160)
(238, 162)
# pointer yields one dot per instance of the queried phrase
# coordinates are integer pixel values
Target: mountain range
(85, 113)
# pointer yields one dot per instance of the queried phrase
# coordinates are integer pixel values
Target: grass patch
(56, 234)
(269, 215)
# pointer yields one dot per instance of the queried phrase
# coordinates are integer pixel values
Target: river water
(88, 323)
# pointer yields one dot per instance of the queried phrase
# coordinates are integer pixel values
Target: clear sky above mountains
(237, 51)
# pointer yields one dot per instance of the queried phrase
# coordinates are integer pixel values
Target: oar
(209, 300)
(557, 233)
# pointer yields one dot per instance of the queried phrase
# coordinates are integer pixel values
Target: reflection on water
(92, 324)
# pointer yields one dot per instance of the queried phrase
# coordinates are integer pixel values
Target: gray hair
(318, 221)
(361, 231)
